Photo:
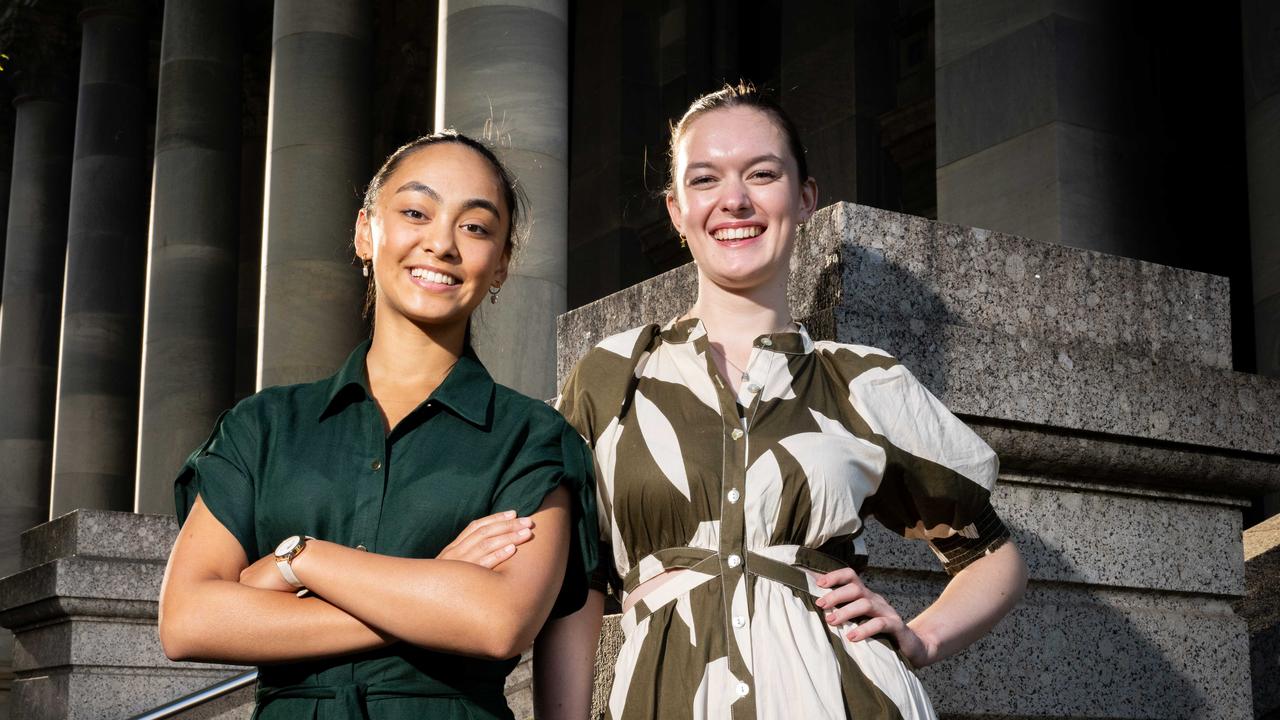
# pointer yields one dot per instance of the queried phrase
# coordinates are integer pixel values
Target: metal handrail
(200, 697)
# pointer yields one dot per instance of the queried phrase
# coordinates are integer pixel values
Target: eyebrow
(473, 203)
(482, 204)
(415, 186)
(767, 157)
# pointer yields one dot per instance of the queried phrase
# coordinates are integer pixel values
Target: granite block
(102, 534)
(1103, 537)
(1260, 608)
(1131, 461)
(96, 693)
(901, 267)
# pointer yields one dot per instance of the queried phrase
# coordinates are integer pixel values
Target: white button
(743, 689)
(736, 434)
(739, 621)
(734, 561)
(753, 388)
(734, 495)
(766, 342)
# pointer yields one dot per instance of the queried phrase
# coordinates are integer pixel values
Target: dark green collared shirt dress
(314, 459)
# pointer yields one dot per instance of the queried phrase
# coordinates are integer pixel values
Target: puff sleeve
(554, 455)
(583, 409)
(219, 471)
(938, 473)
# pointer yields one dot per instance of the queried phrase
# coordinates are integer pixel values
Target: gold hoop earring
(493, 294)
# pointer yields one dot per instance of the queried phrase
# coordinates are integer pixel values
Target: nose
(735, 199)
(437, 239)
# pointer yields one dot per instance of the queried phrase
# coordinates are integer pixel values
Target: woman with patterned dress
(737, 461)
(319, 520)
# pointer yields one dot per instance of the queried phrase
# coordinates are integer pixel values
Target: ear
(364, 239)
(808, 199)
(504, 264)
(673, 211)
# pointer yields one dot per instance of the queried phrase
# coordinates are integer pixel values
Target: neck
(734, 317)
(407, 361)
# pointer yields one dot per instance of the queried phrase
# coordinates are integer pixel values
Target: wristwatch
(288, 549)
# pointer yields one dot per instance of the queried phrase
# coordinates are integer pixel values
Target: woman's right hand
(489, 541)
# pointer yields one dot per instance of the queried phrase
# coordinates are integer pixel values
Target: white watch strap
(287, 571)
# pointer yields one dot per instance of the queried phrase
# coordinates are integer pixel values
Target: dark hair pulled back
(511, 193)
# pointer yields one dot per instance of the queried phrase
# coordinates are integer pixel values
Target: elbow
(173, 641)
(506, 643)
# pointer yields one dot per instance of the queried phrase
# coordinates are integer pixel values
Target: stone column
(317, 164)
(1034, 122)
(1261, 22)
(96, 425)
(37, 241)
(188, 365)
(503, 75)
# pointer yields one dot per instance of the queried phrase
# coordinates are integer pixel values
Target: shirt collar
(791, 342)
(467, 390)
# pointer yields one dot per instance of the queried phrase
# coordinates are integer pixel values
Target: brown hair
(744, 94)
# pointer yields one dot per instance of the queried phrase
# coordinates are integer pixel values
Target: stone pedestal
(1128, 449)
(83, 610)
(1261, 608)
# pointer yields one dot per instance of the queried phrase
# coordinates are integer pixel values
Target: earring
(365, 265)
(683, 241)
(493, 294)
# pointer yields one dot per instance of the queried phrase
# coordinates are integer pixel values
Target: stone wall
(1128, 449)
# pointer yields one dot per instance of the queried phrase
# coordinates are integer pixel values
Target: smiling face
(437, 235)
(738, 197)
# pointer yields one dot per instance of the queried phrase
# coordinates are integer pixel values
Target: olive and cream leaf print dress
(748, 493)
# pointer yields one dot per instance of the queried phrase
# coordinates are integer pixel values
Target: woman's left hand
(264, 575)
(849, 599)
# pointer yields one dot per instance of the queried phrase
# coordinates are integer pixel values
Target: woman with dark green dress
(357, 537)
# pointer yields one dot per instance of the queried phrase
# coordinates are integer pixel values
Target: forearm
(972, 603)
(223, 621)
(441, 604)
(564, 659)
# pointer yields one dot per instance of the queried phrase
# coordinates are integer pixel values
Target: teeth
(741, 233)
(432, 276)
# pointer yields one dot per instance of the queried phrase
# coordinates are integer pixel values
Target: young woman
(737, 460)
(317, 520)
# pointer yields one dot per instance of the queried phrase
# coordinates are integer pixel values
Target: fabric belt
(708, 561)
(354, 697)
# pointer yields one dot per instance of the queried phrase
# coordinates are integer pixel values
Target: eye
(475, 228)
(765, 175)
(702, 180)
(413, 214)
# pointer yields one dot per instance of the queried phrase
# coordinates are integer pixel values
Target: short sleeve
(580, 409)
(554, 455)
(218, 471)
(938, 473)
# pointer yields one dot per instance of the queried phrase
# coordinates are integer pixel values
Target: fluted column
(317, 159)
(1262, 142)
(97, 410)
(504, 76)
(188, 365)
